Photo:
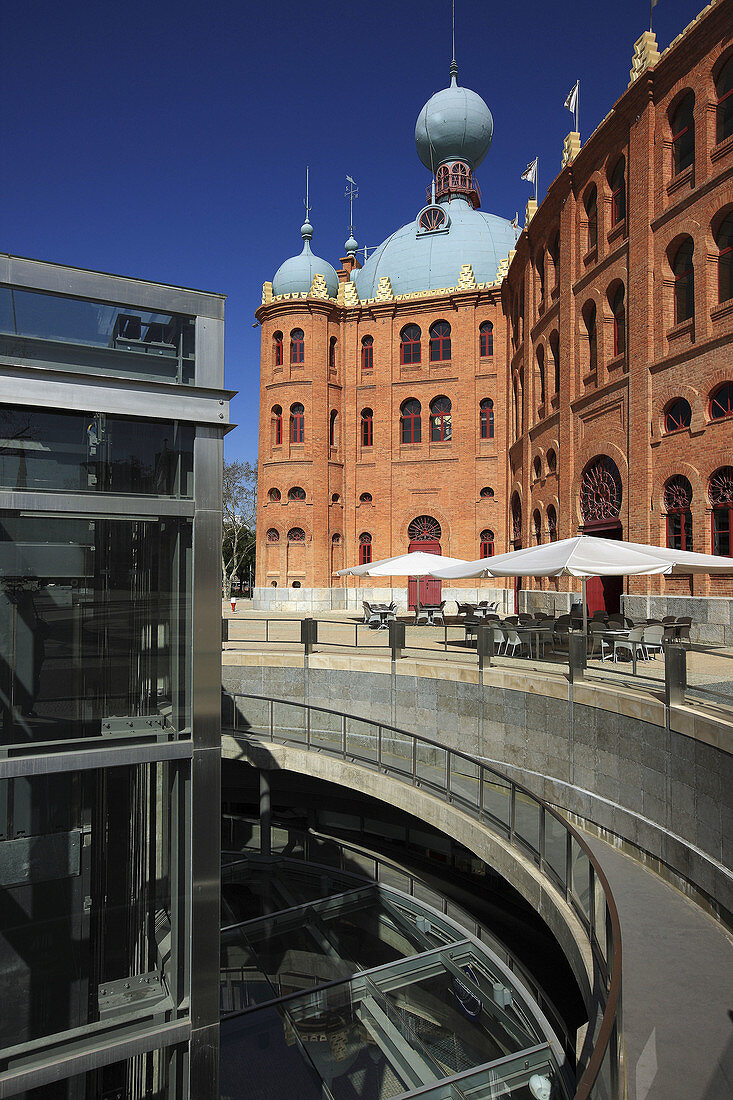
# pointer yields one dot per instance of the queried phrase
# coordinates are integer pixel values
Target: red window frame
(277, 425)
(683, 270)
(411, 421)
(367, 428)
(486, 340)
(297, 423)
(486, 418)
(721, 402)
(365, 548)
(296, 534)
(440, 341)
(441, 420)
(721, 530)
(724, 241)
(273, 535)
(724, 106)
(677, 415)
(367, 353)
(677, 502)
(487, 493)
(297, 346)
(681, 124)
(277, 349)
(366, 498)
(297, 492)
(618, 192)
(410, 346)
(274, 496)
(486, 543)
(332, 352)
(618, 308)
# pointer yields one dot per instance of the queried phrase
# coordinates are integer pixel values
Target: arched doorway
(516, 522)
(600, 507)
(424, 534)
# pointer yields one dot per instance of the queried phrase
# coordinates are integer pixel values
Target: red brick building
(480, 392)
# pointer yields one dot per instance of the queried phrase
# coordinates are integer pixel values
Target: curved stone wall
(658, 782)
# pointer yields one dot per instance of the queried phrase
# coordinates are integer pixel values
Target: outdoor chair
(438, 614)
(492, 617)
(652, 638)
(513, 620)
(634, 644)
(669, 619)
(525, 618)
(562, 629)
(596, 630)
(466, 609)
(499, 640)
(683, 632)
(514, 640)
(370, 615)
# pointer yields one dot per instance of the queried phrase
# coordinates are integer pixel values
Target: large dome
(454, 124)
(296, 275)
(416, 261)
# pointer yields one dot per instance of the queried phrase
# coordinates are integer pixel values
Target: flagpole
(577, 109)
(536, 177)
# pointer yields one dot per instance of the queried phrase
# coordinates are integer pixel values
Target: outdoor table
(384, 613)
(429, 609)
(534, 632)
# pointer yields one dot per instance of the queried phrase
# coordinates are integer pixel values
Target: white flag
(530, 172)
(572, 99)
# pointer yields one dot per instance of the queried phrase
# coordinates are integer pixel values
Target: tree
(239, 512)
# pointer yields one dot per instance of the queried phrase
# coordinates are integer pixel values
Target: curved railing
(528, 824)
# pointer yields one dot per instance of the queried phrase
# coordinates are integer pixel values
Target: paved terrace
(678, 961)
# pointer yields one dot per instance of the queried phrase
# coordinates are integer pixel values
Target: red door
(430, 587)
(604, 593)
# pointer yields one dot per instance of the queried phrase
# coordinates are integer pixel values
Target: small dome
(454, 124)
(296, 275)
(351, 245)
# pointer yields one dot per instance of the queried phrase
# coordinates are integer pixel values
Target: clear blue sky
(169, 140)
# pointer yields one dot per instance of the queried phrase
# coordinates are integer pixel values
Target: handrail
(607, 963)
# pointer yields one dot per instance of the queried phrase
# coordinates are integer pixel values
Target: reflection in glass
(94, 452)
(96, 616)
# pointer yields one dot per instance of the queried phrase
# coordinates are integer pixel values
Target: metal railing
(529, 825)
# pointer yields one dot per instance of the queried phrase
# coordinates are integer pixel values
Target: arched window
(552, 523)
(724, 241)
(335, 498)
(296, 493)
(297, 346)
(684, 282)
(541, 272)
(537, 524)
(485, 340)
(297, 423)
(600, 490)
(486, 418)
(274, 496)
(332, 425)
(367, 428)
(682, 125)
(410, 421)
(677, 501)
(516, 522)
(617, 181)
(410, 344)
(277, 349)
(296, 534)
(590, 202)
(720, 494)
(365, 498)
(541, 373)
(365, 548)
(551, 462)
(332, 352)
(367, 353)
(555, 349)
(440, 419)
(677, 415)
(721, 403)
(442, 178)
(724, 109)
(424, 529)
(273, 535)
(336, 537)
(487, 493)
(618, 308)
(554, 252)
(537, 468)
(277, 425)
(439, 341)
(487, 543)
(517, 411)
(589, 320)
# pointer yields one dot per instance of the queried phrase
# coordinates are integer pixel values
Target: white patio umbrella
(586, 556)
(415, 564)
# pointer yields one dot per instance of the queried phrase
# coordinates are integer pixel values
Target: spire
(454, 63)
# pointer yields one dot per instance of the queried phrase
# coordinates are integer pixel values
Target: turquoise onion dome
(454, 124)
(296, 275)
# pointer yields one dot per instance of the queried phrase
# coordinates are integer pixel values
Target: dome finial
(454, 63)
(351, 193)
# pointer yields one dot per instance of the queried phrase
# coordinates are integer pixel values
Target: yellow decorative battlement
(570, 149)
(467, 279)
(266, 293)
(351, 295)
(318, 288)
(530, 211)
(645, 55)
(384, 290)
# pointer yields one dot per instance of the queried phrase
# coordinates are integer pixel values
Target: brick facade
(612, 407)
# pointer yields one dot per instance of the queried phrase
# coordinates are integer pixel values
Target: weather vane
(351, 193)
(306, 203)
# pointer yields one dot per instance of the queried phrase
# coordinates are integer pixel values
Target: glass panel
(527, 819)
(288, 721)
(87, 882)
(325, 730)
(496, 799)
(252, 714)
(108, 338)
(396, 752)
(555, 846)
(581, 878)
(94, 452)
(600, 915)
(431, 765)
(361, 739)
(512, 1077)
(97, 617)
(464, 781)
(256, 1043)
